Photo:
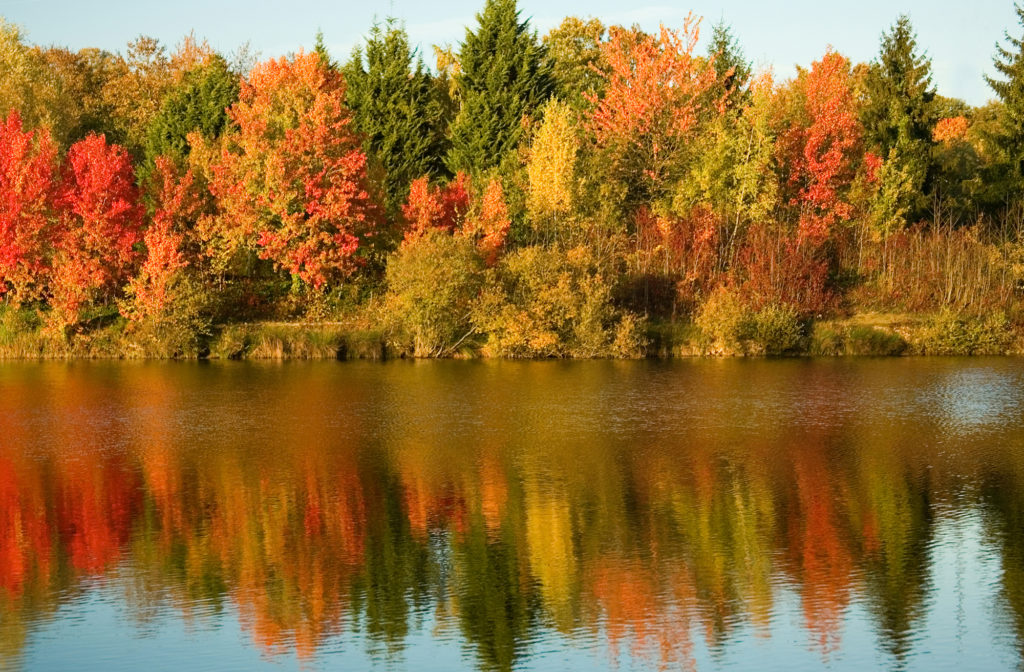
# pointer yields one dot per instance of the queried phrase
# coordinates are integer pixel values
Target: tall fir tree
(199, 104)
(398, 110)
(504, 76)
(898, 116)
(1009, 62)
(731, 66)
(320, 47)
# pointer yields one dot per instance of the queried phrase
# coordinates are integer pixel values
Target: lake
(708, 515)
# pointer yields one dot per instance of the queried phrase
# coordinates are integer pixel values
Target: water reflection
(690, 515)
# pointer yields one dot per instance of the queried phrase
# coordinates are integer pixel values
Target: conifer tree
(731, 65)
(898, 117)
(199, 104)
(505, 76)
(1009, 62)
(320, 47)
(398, 111)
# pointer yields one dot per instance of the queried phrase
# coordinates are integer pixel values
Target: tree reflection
(645, 548)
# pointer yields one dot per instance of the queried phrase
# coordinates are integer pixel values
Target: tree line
(564, 195)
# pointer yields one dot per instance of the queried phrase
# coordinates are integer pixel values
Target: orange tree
(290, 178)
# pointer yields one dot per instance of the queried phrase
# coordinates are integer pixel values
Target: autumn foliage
(656, 175)
(291, 180)
(821, 149)
(178, 202)
(435, 207)
(100, 223)
(27, 184)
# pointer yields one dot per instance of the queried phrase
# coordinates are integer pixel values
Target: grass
(25, 335)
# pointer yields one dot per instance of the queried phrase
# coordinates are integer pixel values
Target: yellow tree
(552, 170)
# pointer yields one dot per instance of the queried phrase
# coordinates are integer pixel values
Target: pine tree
(898, 117)
(199, 103)
(1009, 62)
(397, 110)
(505, 76)
(320, 47)
(731, 66)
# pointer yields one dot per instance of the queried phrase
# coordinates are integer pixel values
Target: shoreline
(859, 335)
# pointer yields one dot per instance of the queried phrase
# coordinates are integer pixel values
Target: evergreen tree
(398, 110)
(732, 68)
(1009, 62)
(321, 50)
(199, 103)
(898, 117)
(505, 76)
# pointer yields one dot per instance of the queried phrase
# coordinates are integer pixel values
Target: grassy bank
(868, 334)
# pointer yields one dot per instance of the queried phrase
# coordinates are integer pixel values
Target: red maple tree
(100, 221)
(291, 178)
(28, 163)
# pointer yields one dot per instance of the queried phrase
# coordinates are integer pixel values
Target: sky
(960, 37)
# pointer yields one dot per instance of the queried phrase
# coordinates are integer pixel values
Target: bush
(777, 330)
(950, 333)
(183, 327)
(725, 322)
(730, 327)
(15, 321)
(546, 302)
(433, 282)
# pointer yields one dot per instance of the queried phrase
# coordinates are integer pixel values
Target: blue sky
(959, 36)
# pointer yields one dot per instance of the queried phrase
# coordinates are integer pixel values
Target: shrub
(864, 340)
(777, 330)
(433, 281)
(183, 326)
(951, 333)
(546, 302)
(725, 322)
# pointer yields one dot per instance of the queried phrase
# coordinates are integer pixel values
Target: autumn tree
(81, 77)
(504, 77)
(733, 174)
(26, 84)
(655, 94)
(552, 170)
(100, 221)
(897, 117)
(490, 225)
(577, 62)
(397, 110)
(28, 163)
(821, 148)
(291, 178)
(177, 202)
(431, 207)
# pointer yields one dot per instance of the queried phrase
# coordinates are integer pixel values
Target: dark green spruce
(1009, 63)
(399, 111)
(504, 77)
(199, 103)
(731, 66)
(898, 118)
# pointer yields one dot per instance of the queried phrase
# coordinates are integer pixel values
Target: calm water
(540, 516)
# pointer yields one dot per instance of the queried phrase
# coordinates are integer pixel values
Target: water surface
(708, 515)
